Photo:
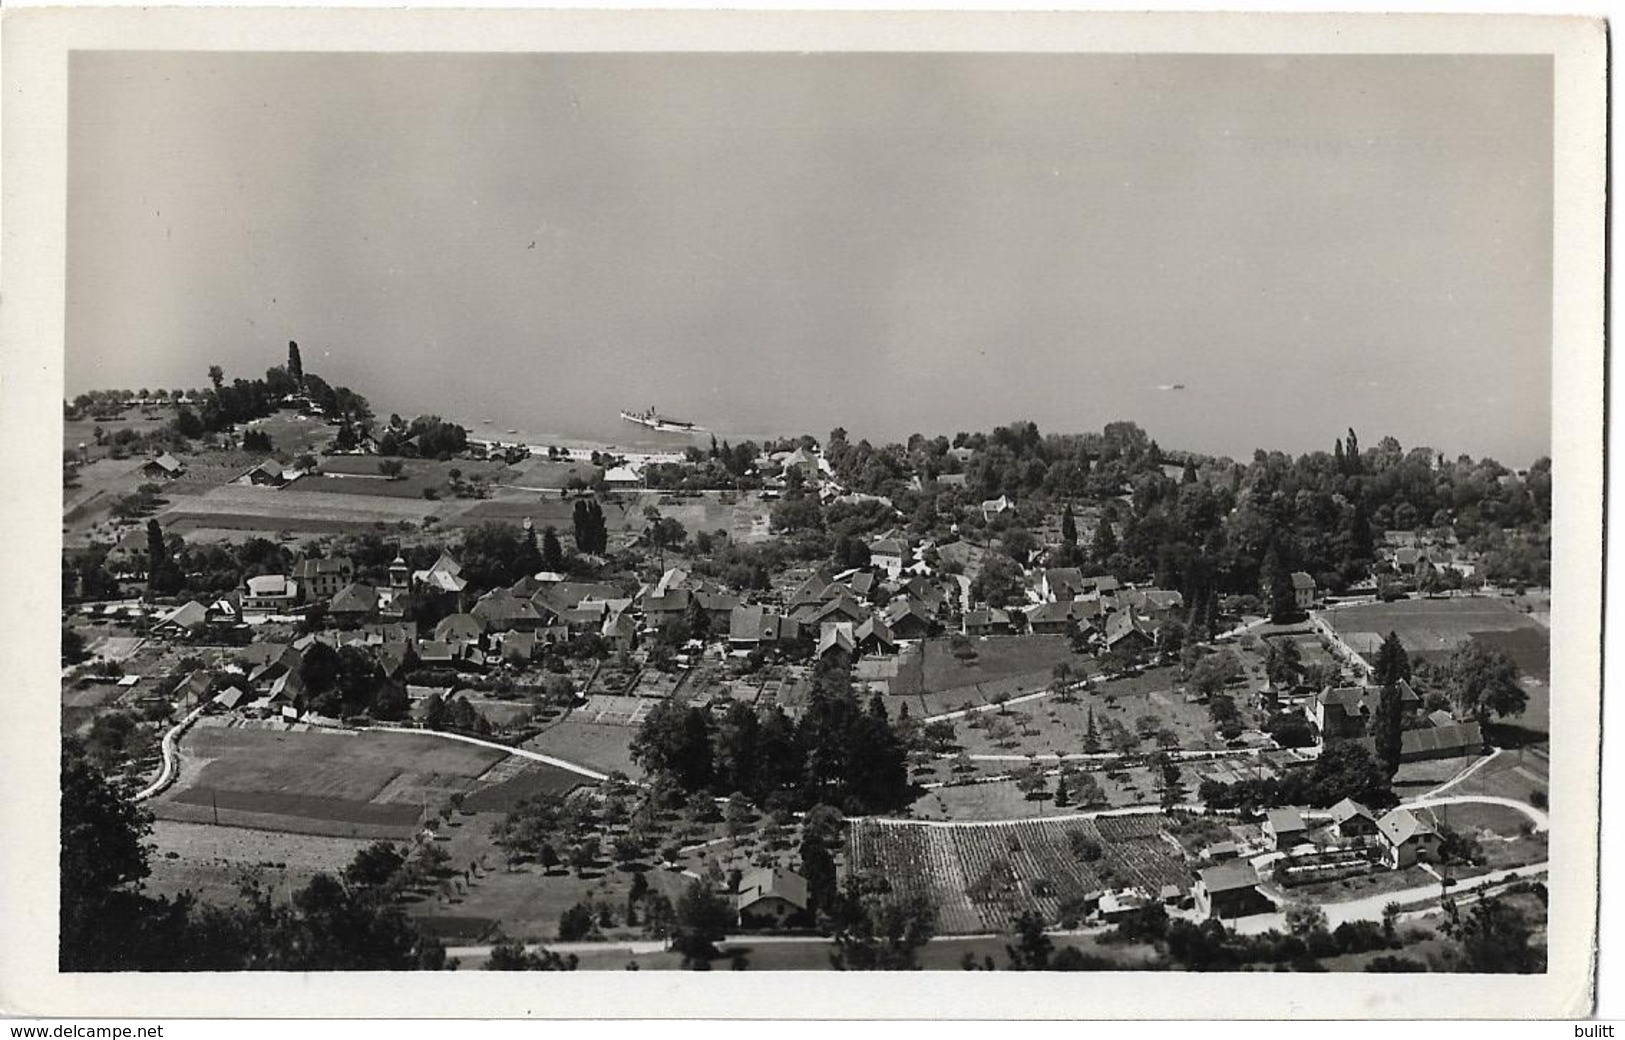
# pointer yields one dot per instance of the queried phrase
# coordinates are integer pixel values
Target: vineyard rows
(981, 877)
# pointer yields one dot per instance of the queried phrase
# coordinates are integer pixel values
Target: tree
(1215, 672)
(1494, 937)
(999, 582)
(296, 367)
(391, 468)
(703, 918)
(1277, 577)
(1105, 543)
(1388, 728)
(1393, 664)
(103, 859)
(577, 923)
(163, 577)
(375, 866)
(552, 551)
(1069, 526)
(511, 955)
(875, 932)
(1032, 948)
(1484, 681)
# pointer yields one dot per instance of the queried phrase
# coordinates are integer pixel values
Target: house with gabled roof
(229, 699)
(355, 603)
(891, 553)
(1062, 618)
(874, 637)
(502, 611)
(908, 619)
(770, 897)
(985, 622)
(164, 467)
(1151, 601)
(1284, 828)
(519, 646)
(718, 606)
(1406, 839)
(619, 629)
(459, 628)
(444, 575)
(996, 507)
(1230, 890)
(1352, 821)
(812, 588)
(1345, 712)
(265, 474)
(186, 620)
(1059, 584)
(836, 635)
(751, 625)
(1127, 631)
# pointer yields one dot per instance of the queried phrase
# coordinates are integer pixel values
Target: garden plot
(981, 876)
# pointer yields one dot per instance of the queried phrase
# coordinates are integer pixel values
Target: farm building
(189, 619)
(1461, 738)
(990, 622)
(354, 603)
(1230, 890)
(164, 467)
(907, 618)
(458, 628)
(1284, 828)
(266, 474)
(751, 625)
(769, 897)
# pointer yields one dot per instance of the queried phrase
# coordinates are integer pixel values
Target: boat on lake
(663, 423)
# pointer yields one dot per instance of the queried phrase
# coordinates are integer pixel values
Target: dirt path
(534, 756)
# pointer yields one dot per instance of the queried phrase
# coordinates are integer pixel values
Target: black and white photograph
(606, 503)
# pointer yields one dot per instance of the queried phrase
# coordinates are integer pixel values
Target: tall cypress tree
(1069, 526)
(1391, 668)
(1278, 584)
(296, 367)
(552, 551)
(162, 579)
(1105, 546)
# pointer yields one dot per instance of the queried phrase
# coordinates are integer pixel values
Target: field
(939, 682)
(1050, 726)
(1002, 800)
(240, 507)
(345, 784)
(1438, 626)
(212, 861)
(293, 433)
(982, 876)
(359, 475)
(605, 747)
(1519, 775)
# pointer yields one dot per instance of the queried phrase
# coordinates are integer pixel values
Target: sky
(892, 243)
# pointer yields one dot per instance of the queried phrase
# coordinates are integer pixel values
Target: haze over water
(787, 243)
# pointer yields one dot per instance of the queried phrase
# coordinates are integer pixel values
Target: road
(172, 763)
(1370, 908)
